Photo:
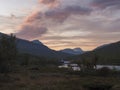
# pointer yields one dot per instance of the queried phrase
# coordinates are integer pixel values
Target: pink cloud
(33, 17)
(59, 14)
(49, 3)
(36, 23)
(29, 31)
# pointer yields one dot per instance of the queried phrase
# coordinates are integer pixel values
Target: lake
(109, 66)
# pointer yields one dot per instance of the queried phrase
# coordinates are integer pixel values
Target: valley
(34, 66)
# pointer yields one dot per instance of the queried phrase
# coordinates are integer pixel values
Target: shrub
(105, 71)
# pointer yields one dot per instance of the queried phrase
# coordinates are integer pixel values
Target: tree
(95, 60)
(8, 52)
(89, 60)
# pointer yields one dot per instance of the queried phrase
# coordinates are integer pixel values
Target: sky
(62, 24)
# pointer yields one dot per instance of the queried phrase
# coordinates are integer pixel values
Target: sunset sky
(62, 24)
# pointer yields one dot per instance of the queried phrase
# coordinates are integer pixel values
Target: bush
(105, 71)
(97, 86)
(116, 87)
(4, 69)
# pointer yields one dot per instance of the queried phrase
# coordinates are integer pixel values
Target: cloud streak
(62, 14)
(106, 3)
(59, 14)
(49, 3)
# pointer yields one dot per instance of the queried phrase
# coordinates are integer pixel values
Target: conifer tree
(8, 52)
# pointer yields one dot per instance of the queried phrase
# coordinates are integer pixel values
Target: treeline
(29, 60)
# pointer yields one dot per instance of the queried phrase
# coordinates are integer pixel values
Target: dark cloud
(47, 1)
(59, 14)
(77, 10)
(31, 31)
(63, 14)
(106, 3)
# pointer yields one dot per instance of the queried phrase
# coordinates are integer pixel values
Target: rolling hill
(108, 54)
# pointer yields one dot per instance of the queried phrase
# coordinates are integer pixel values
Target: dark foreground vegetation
(52, 78)
(27, 72)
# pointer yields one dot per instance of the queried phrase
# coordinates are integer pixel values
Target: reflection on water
(109, 66)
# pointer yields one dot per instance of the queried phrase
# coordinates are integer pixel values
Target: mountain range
(107, 54)
(75, 51)
(37, 48)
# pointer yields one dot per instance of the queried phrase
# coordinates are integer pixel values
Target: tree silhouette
(89, 60)
(8, 52)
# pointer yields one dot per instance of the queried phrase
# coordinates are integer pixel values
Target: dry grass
(35, 80)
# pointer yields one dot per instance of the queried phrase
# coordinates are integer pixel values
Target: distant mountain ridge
(36, 48)
(75, 51)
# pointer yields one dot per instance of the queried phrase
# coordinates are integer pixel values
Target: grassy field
(49, 78)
